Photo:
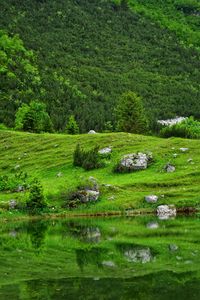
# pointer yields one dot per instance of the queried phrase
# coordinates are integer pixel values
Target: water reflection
(101, 259)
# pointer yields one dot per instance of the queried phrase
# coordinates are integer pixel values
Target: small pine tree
(72, 126)
(36, 200)
(130, 114)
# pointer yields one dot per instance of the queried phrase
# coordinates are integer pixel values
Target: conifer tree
(130, 114)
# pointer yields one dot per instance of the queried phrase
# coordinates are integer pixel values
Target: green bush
(33, 118)
(36, 200)
(87, 159)
(189, 128)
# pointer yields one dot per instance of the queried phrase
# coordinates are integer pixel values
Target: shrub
(189, 128)
(87, 159)
(36, 201)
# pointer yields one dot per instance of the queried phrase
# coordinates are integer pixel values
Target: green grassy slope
(90, 52)
(45, 155)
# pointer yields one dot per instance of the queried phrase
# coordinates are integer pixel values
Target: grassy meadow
(44, 156)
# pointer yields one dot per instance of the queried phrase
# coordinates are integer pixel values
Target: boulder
(164, 212)
(170, 168)
(87, 195)
(134, 162)
(151, 198)
(92, 132)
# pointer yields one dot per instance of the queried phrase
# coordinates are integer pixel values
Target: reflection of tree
(37, 231)
(92, 256)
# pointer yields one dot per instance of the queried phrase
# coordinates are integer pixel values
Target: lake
(102, 258)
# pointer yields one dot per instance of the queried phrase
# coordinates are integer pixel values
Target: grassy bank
(45, 155)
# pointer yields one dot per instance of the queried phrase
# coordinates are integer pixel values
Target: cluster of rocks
(89, 193)
(134, 162)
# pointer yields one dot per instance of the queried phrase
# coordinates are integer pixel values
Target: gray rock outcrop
(134, 162)
(165, 212)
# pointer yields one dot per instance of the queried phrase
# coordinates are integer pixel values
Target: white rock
(164, 212)
(106, 150)
(151, 198)
(184, 149)
(92, 132)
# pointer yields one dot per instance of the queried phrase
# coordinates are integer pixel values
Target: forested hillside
(79, 56)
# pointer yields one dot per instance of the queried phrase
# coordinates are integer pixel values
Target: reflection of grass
(61, 254)
(45, 155)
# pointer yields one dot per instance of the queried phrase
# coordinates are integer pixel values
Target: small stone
(111, 198)
(12, 204)
(184, 149)
(173, 247)
(189, 160)
(105, 151)
(108, 263)
(92, 132)
(170, 168)
(151, 199)
(175, 155)
(59, 174)
(17, 167)
(152, 225)
(20, 188)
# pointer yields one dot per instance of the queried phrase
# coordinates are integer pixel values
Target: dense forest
(80, 56)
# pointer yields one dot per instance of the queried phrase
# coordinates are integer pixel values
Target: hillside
(46, 155)
(89, 52)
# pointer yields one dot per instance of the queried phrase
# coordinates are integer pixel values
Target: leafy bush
(87, 159)
(12, 183)
(33, 118)
(36, 200)
(189, 128)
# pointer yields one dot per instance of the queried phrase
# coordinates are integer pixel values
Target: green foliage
(3, 127)
(130, 114)
(19, 75)
(72, 126)
(155, 52)
(87, 159)
(13, 182)
(33, 118)
(36, 200)
(189, 128)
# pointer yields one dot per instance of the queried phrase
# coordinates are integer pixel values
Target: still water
(107, 258)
